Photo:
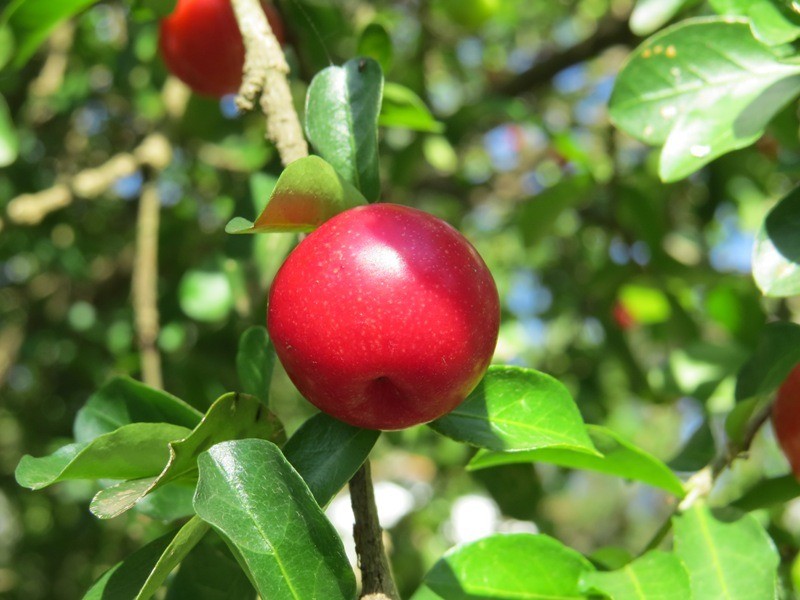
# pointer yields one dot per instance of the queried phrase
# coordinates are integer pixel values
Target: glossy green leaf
(122, 401)
(327, 452)
(618, 457)
(769, 492)
(206, 295)
(132, 451)
(404, 109)
(125, 579)
(233, 416)
(772, 21)
(520, 566)
(776, 255)
(168, 503)
(255, 361)
(654, 576)
(727, 554)
(701, 88)
(375, 42)
(650, 15)
(187, 538)
(517, 409)
(9, 141)
(776, 354)
(308, 193)
(342, 109)
(252, 495)
(31, 21)
(209, 572)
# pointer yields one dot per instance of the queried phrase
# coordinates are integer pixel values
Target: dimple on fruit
(384, 317)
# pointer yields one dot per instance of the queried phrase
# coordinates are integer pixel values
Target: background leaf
(250, 493)
(520, 566)
(654, 576)
(376, 43)
(775, 355)
(727, 554)
(618, 457)
(672, 88)
(772, 21)
(342, 109)
(402, 108)
(255, 361)
(9, 141)
(327, 453)
(649, 15)
(776, 255)
(516, 409)
(124, 400)
(31, 21)
(132, 451)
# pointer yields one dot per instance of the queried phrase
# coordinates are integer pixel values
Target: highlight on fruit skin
(201, 45)
(786, 419)
(384, 317)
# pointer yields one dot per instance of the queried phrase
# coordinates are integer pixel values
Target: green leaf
(618, 457)
(6, 44)
(170, 502)
(209, 572)
(187, 538)
(31, 21)
(126, 578)
(308, 193)
(520, 566)
(727, 554)
(646, 304)
(9, 141)
(772, 21)
(233, 416)
(655, 576)
(327, 453)
(536, 216)
(776, 354)
(159, 8)
(252, 495)
(776, 254)
(701, 88)
(342, 109)
(255, 361)
(697, 452)
(376, 43)
(404, 109)
(122, 401)
(650, 15)
(206, 295)
(132, 451)
(769, 492)
(517, 409)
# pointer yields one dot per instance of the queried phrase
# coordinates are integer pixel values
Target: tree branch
(30, 209)
(376, 576)
(610, 32)
(145, 285)
(265, 71)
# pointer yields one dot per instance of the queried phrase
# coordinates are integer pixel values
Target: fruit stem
(376, 576)
(265, 71)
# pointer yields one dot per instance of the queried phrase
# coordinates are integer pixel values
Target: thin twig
(145, 285)
(30, 209)
(376, 575)
(265, 73)
(702, 482)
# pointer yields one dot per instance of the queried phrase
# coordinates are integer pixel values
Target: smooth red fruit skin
(201, 45)
(384, 317)
(786, 419)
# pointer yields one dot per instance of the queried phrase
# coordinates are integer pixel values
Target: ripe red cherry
(786, 419)
(201, 45)
(385, 317)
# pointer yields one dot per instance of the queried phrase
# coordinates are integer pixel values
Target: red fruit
(201, 45)
(786, 419)
(384, 317)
